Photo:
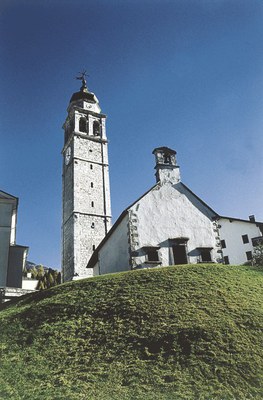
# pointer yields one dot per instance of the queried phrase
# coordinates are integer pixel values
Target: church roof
(198, 198)
(4, 195)
(166, 149)
(82, 95)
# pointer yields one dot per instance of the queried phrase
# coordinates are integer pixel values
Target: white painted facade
(29, 284)
(169, 212)
(86, 188)
(114, 255)
(237, 236)
(12, 256)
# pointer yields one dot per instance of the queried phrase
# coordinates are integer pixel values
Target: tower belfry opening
(86, 213)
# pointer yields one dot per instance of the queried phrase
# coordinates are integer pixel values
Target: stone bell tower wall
(86, 190)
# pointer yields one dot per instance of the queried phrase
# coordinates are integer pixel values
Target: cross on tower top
(82, 77)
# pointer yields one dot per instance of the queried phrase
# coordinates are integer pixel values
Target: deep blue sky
(183, 74)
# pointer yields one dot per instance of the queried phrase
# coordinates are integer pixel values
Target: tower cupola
(166, 167)
(83, 93)
(84, 98)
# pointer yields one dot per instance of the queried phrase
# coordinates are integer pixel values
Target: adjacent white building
(12, 255)
(170, 225)
(238, 238)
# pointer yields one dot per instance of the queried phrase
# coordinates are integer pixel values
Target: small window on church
(152, 255)
(83, 124)
(92, 225)
(245, 239)
(206, 255)
(91, 184)
(226, 260)
(96, 128)
(93, 247)
(223, 244)
(249, 255)
(91, 166)
(92, 204)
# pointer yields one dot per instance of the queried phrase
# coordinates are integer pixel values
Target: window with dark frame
(152, 255)
(205, 255)
(249, 255)
(91, 184)
(83, 124)
(92, 204)
(245, 239)
(91, 166)
(226, 260)
(96, 128)
(223, 244)
(93, 247)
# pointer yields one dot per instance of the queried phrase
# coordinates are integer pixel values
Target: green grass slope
(184, 332)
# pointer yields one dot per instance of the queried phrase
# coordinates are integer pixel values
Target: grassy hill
(184, 332)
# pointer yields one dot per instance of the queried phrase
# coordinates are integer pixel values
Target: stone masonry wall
(86, 200)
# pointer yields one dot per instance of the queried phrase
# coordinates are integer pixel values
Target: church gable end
(170, 218)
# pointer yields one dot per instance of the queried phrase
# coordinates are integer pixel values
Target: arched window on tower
(96, 128)
(167, 158)
(83, 124)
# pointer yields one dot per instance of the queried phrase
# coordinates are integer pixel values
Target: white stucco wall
(170, 211)
(12, 256)
(231, 231)
(13, 227)
(92, 271)
(29, 284)
(114, 255)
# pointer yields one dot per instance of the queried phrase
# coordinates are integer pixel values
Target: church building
(168, 225)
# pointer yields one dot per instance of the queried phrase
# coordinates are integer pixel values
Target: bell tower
(166, 165)
(86, 191)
